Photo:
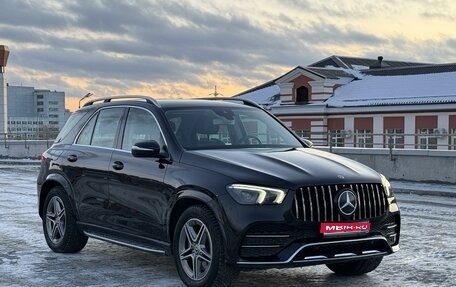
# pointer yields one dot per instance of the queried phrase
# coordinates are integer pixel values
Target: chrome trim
(99, 237)
(260, 246)
(371, 251)
(311, 204)
(344, 255)
(303, 205)
(111, 107)
(396, 248)
(318, 203)
(390, 226)
(315, 257)
(267, 236)
(331, 201)
(290, 259)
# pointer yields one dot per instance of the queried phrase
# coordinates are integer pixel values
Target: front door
(138, 197)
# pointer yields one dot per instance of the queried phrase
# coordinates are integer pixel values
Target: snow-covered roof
(268, 96)
(396, 90)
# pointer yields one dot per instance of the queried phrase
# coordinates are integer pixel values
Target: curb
(425, 192)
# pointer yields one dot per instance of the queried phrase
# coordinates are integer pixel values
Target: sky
(182, 49)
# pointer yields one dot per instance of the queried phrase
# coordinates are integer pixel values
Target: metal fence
(24, 138)
(332, 139)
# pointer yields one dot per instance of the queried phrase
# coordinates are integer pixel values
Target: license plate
(338, 228)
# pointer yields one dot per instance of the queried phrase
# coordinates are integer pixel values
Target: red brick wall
(425, 122)
(336, 124)
(299, 82)
(452, 123)
(300, 124)
(364, 123)
(393, 123)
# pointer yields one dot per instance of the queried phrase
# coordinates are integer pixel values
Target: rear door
(86, 164)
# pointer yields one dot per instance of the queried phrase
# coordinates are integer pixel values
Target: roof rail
(244, 101)
(148, 99)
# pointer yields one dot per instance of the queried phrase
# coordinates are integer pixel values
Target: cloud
(184, 48)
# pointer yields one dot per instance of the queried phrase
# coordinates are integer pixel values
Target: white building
(35, 112)
(4, 53)
(366, 102)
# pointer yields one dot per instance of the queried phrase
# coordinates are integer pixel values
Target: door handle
(117, 165)
(72, 158)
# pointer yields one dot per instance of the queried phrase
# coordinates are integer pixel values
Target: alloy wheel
(55, 220)
(195, 249)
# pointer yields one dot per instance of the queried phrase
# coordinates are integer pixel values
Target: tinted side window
(140, 126)
(86, 134)
(105, 129)
(101, 129)
(69, 125)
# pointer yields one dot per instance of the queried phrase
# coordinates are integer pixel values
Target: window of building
(53, 122)
(394, 138)
(39, 103)
(24, 122)
(40, 110)
(364, 138)
(338, 138)
(426, 139)
(302, 95)
(452, 137)
(39, 96)
(53, 109)
(53, 103)
(53, 116)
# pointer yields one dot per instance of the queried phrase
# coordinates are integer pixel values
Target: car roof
(167, 103)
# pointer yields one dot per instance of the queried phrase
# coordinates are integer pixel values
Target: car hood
(290, 168)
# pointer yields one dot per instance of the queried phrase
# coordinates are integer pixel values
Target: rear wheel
(355, 267)
(198, 249)
(59, 224)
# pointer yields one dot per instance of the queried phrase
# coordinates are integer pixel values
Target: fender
(61, 180)
(203, 196)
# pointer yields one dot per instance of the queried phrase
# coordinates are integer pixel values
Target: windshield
(228, 127)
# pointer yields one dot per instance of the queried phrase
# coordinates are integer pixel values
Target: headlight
(252, 194)
(387, 186)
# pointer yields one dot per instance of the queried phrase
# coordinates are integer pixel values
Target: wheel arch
(54, 180)
(190, 198)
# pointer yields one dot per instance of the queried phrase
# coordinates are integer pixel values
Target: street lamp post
(86, 96)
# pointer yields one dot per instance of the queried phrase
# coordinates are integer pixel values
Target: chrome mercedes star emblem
(347, 202)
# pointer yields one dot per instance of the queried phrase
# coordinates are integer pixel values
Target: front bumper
(326, 252)
(272, 236)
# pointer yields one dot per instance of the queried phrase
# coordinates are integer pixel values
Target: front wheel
(198, 249)
(355, 267)
(59, 224)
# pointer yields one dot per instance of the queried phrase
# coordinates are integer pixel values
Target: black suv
(218, 184)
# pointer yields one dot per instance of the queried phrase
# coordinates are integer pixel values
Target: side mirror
(148, 149)
(307, 142)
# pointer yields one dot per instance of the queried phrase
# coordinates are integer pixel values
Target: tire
(355, 267)
(197, 236)
(59, 224)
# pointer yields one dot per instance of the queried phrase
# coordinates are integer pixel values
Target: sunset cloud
(183, 48)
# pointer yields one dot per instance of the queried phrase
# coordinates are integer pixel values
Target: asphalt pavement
(427, 256)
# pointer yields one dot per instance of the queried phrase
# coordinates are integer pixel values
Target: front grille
(317, 203)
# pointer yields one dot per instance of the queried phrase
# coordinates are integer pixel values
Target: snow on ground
(427, 256)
